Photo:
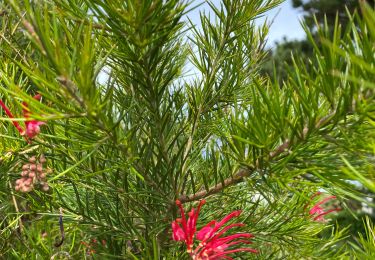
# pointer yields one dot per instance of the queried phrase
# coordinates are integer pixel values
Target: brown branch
(238, 177)
(72, 89)
(242, 173)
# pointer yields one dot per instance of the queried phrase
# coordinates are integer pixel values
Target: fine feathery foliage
(125, 107)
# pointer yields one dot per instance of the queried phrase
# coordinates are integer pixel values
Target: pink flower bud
(32, 174)
(42, 159)
(25, 167)
(33, 128)
(24, 173)
(28, 181)
(32, 159)
(33, 167)
(39, 167)
(42, 175)
(25, 189)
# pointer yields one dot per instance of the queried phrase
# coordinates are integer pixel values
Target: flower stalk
(10, 115)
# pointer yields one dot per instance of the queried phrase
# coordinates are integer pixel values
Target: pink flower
(214, 245)
(32, 126)
(317, 212)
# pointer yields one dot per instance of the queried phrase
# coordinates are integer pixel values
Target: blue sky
(286, 21)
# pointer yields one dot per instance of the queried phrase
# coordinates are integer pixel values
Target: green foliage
(128, 132)
(317, 13)
(365, 249)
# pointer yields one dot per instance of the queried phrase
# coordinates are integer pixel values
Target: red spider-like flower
(32, 126)
(214, 245)
(317, 212)
(10, 115)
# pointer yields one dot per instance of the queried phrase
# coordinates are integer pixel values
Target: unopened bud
(25, 189)
(28, 181)
(39, 168)
(42, 159)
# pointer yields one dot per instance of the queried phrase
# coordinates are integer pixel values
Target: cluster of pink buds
(33, 173)
(213, 245)
(317, 212)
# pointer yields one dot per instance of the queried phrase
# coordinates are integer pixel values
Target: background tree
(327, 10)
(281, 55)
(315, 12)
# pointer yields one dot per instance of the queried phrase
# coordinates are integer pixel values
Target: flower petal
(206, 230)
(177, 233)
(33, 128)
(221, 223)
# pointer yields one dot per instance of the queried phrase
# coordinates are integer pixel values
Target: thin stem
(10, 115)
(16, 206)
